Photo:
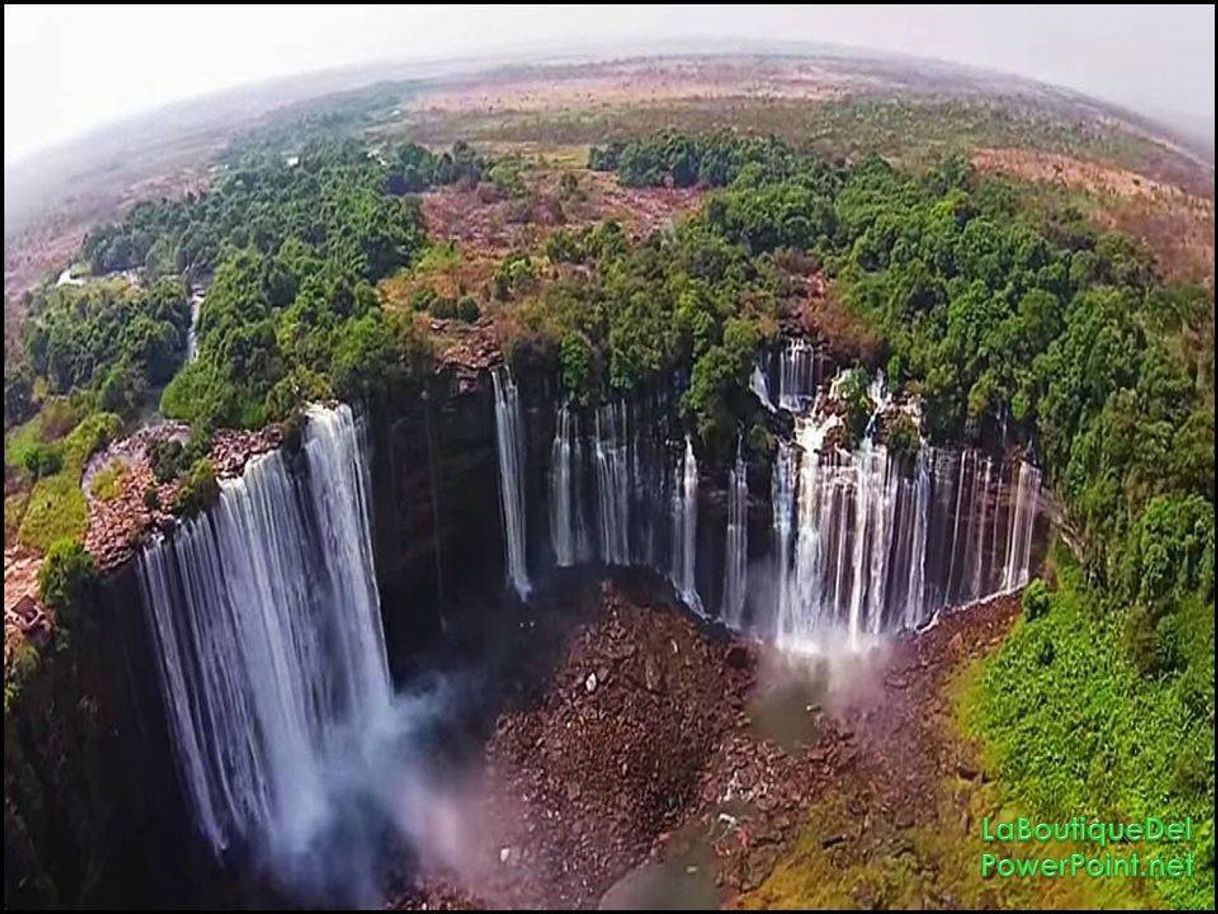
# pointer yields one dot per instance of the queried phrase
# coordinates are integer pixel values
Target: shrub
(901, 435)
(422, 300)
(300, 386)
(467, 309)
(564, 246)
(43, 460)
(443, 308)
(857, 403)
(1036, 600)
(18, 670)
(165, 456)
(516, 272)
(93, 433)
(577, 367)
(18, 394)
(198, 491)
(65, 584)
(107, 482)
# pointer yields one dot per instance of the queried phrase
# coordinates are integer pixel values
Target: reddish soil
(1176, 224)
(118, 525)
(648, 730)
(634, 82)
(24, 617)
(487, 221)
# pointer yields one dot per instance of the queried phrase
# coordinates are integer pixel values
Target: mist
(71, 70)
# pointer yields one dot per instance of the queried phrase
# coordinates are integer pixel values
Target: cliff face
(438, 517)
(93, 811)
(435, 512)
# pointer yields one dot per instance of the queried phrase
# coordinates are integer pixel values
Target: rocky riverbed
(665, 763)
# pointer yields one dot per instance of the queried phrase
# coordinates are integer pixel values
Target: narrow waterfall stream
(267, 621)
(800, 373)
(192, 332)
(509, 432)
(736, 557)
(684, 529)
(611, 449)
(566, 507)
(760, 386)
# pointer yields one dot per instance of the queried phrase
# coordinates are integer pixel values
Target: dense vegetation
(1002, 319)
(1064, 335)
(633, 315)
(55, 507)
(678, 160)
(106, 337)
(1071, 723)
(295, 246)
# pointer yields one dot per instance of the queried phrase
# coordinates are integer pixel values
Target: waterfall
(735, 572)
(799, 375)
(684, 528)
(192, 333)
(566, 509)
(918, 517)
(510, 449)
(759, 386)
(801, 594)
(876, 486)
(866, 541)
(612, 460)
(270, 652)
(1019, 545)
(783, 486)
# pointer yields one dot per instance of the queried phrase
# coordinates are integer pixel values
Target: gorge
(461, 525)
(264, 615)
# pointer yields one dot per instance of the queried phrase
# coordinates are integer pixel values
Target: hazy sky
(68, 69)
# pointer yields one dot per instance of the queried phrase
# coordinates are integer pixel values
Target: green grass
(107, 482)
(1070, 728)
(57, 508)
(20, 441)
(56, 417)
(439, 258)
(14, 511)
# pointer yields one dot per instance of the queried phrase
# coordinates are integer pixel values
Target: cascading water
(760, 386)
(684, 528)
(880, 543)
(735, 562)
(784, 484)
(800, 368)
(914, 521)
(192, 332)
(865, 540)
(1019, 545)
(631, 474)
(266, 617)
(612, 460)
(566, 507)
(510, 449)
